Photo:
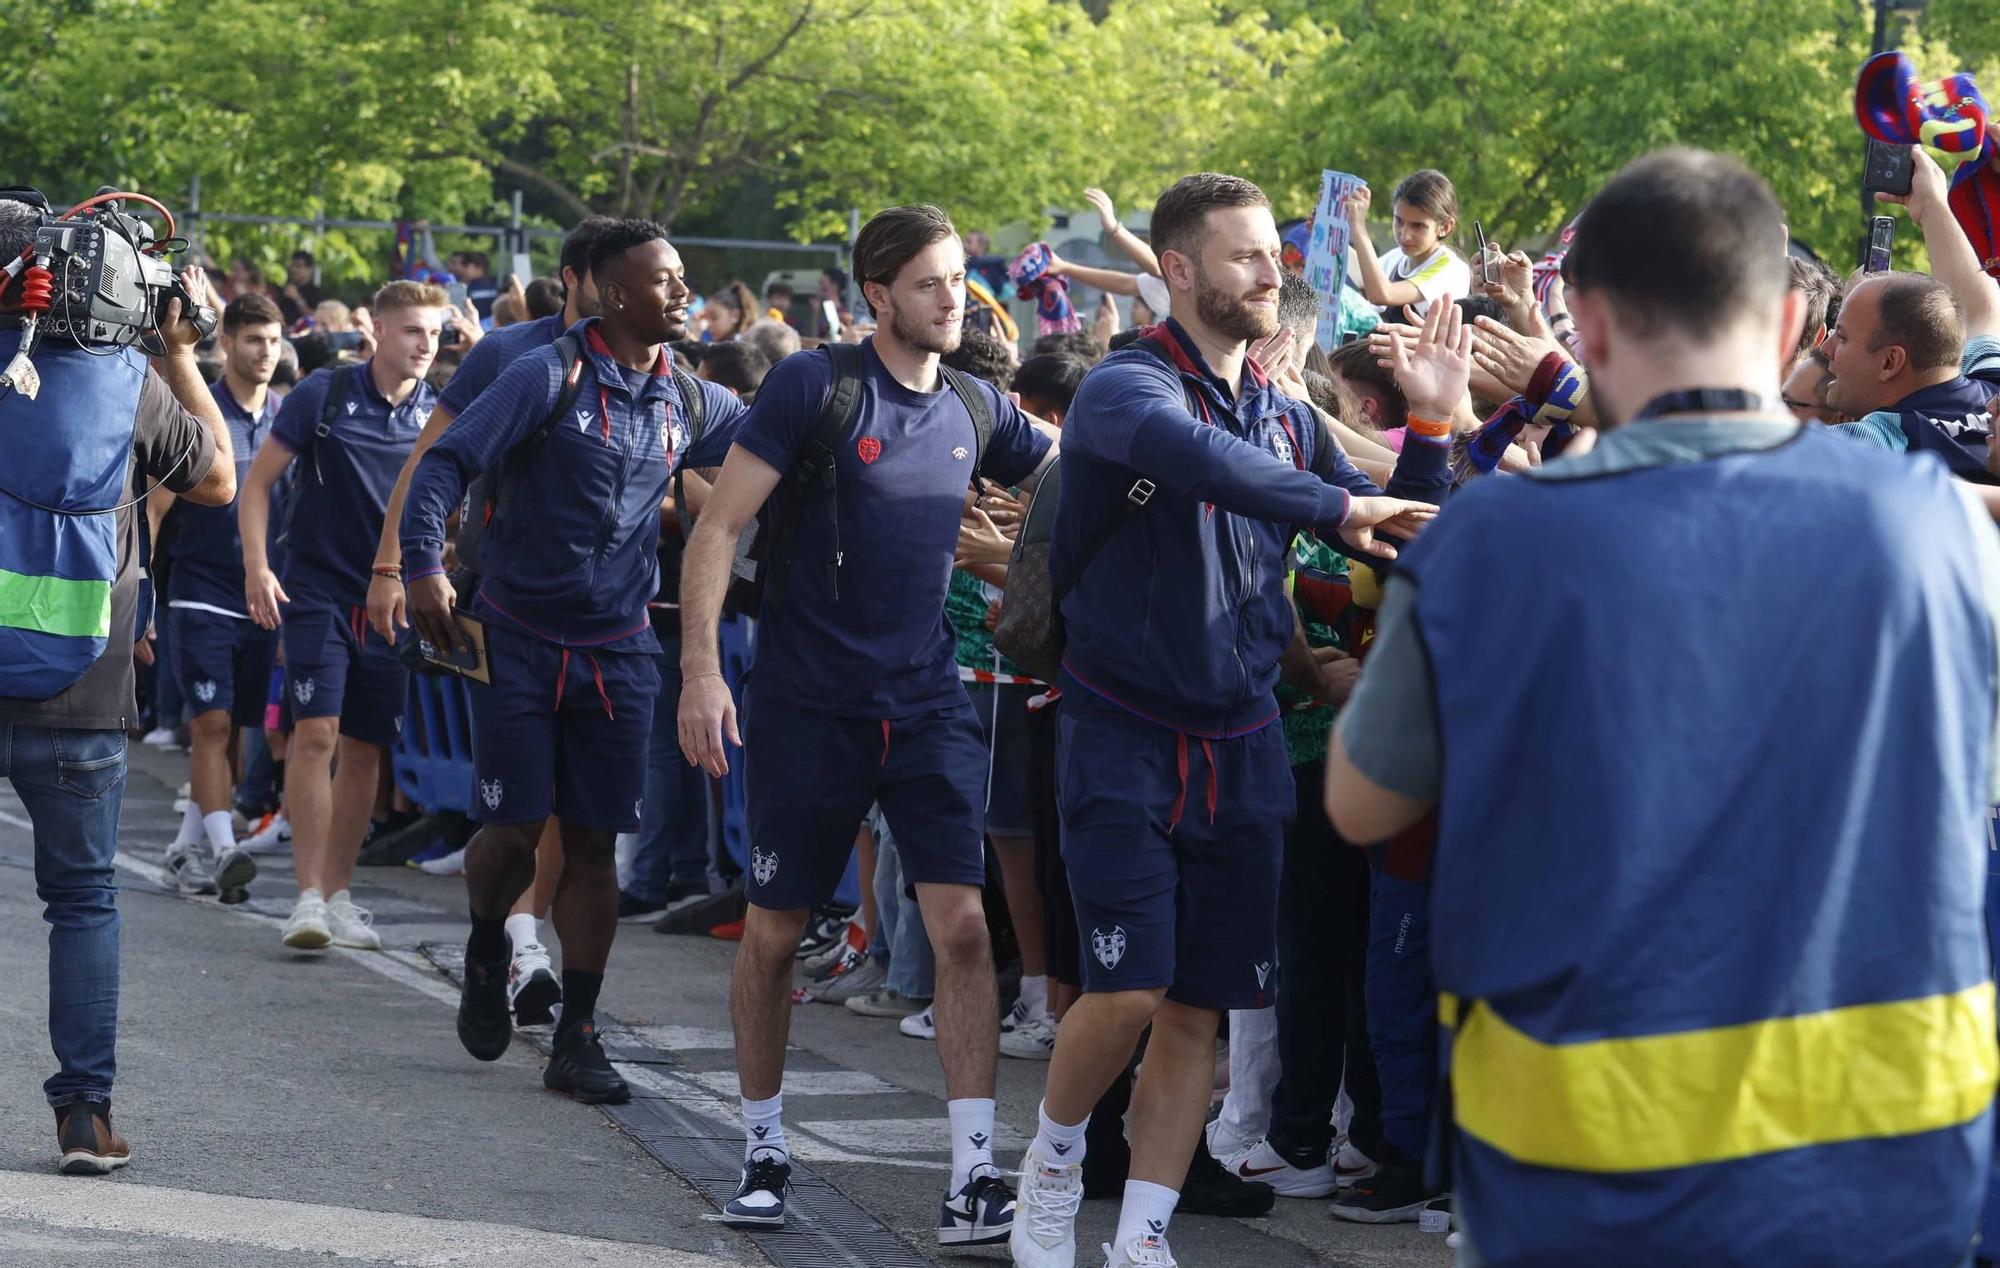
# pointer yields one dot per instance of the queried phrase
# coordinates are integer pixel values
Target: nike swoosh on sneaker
(1248, 1172)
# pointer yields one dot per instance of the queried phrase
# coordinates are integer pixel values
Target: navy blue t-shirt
(883, 649)
(344, 479)
(207, 569)
(494, 353)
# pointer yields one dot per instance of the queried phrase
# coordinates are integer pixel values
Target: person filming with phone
(87, 429)
(1915, 359)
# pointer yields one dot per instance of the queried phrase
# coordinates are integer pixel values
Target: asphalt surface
(288, 1109)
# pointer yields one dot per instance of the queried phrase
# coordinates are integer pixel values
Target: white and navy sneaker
(1044, 1232)
(1027, 1035)
(980, 1214)
(1148, 1251)
(187, 871)
(760, 1198)
(920, 1025)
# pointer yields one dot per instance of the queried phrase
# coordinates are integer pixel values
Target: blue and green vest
(69, 448)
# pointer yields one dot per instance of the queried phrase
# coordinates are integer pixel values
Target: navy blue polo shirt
(207, 567)
(344, 478)
(883, 650)
(495, 353)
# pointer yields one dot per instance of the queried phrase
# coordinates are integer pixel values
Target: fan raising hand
(1432, 368)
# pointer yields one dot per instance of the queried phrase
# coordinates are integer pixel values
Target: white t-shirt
(1444, 270)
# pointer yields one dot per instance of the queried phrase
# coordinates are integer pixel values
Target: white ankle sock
(1056, 1143)
(1147, 1209)
(221, 831)
(1035, 994)
(190, 831)
(971, 1138)
(521, 930)
(763, 1126)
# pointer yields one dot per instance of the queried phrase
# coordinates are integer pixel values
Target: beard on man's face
(1232, 315)
(925, 336)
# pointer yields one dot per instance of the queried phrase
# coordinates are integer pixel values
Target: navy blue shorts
(1003, 716)
(809, 779)
(1174, 846)
(338, 667)
(223, 662)
(562, 731)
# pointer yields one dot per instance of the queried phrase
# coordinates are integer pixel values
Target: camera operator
(65, 755)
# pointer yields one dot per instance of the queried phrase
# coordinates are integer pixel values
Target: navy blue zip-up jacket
(1182, 615)
(574, 559)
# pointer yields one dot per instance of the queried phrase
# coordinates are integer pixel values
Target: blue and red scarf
(1032, 280)
(1947, 117)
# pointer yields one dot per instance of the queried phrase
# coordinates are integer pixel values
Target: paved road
(287, 1109)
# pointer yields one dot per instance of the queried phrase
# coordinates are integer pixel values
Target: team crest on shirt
(1263, 974)
(352, 406)
(583, 417)
(302, 690)
(763, 866)
(489, 792)
(1109, 946)
(1281, 444)
(204, 690)
(958, 454)
(869, 448)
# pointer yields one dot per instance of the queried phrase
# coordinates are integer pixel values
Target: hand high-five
(1432, 368)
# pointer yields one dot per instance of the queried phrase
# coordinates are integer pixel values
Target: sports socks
(221, 830)
(762, 1126)
(488, 940)
(522, 929)
(971, 1138)
(579, 1000)
(1147, 1209)
(1057, 1143)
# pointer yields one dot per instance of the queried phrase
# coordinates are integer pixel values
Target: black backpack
(492, 494)
(770, 546)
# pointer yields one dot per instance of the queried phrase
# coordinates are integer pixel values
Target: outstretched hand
(1432, 368)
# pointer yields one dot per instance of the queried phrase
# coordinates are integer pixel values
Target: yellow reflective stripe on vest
(1698, 1096)
(55, 605)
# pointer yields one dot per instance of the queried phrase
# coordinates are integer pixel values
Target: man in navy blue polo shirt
(1176, 790)
(570, 564)
(855, 697)
(531, 984)
(345, 683)
(222, 657)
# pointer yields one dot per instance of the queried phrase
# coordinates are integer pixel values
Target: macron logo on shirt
(583, 417)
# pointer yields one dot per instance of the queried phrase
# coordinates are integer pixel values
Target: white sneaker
(1452, 1241)
(452, 864)
(188, 872)
(273, 837)
(351, 925)
(1350, 1165)
(920, 1025)
(307, 929)
(234, 868)
(1266, 1165)
(159, 737)
(1028, 1036)
(1149, 1251)
(533, 989)
(1044, 1234)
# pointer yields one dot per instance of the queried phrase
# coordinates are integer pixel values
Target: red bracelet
(1429, 427)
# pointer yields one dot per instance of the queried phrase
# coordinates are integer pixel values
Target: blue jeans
(673, 830)
(1402, 1011)
(72, 783)
(912, 965)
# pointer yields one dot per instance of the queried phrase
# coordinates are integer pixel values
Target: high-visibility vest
(1716, 981)
(68, 450)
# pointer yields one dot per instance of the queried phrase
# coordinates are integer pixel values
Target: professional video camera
(96, 277)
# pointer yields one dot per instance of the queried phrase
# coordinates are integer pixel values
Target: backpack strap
(570, 359)
(981, 409)
(695, 406)
(815, 467)
(329, 410)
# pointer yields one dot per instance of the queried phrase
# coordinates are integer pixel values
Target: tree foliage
(997, 109)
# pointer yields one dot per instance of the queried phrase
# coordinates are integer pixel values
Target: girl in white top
(1421, 266)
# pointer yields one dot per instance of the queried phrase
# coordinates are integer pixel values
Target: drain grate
(824, 1228)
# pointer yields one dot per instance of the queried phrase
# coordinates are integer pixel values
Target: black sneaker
(632, 909)
(827, 927)
(1212, 1189)
(760, 1198)
(1395, 1195)
(578, 1066)
(980, 1214)
(484, 1025)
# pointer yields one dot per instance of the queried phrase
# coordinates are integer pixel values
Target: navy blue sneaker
(980, 1214)
(760, 1199)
